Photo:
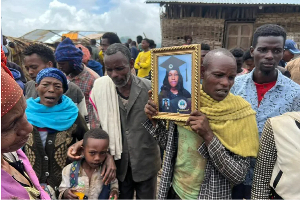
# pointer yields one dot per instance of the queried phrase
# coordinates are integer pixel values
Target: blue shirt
(134, 52)
(283, 97)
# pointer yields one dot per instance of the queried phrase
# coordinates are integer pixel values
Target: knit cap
(66, 51)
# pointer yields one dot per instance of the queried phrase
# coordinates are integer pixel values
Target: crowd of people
(82, 126)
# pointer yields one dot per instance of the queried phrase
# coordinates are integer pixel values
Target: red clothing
(262, 89)
(244, 71)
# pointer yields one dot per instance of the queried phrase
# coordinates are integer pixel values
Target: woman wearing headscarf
(56, 126)
(90, 63)
(18, 179)
(210, 152)
(277, 167)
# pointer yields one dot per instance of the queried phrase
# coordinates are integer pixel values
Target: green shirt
(190, 165)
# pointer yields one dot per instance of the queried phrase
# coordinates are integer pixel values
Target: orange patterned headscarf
(86, 53)
(11, 92)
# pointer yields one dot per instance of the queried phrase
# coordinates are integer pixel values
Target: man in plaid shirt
(210, 167)
(69, 59)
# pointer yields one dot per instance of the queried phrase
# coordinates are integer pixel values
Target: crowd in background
(82, 127)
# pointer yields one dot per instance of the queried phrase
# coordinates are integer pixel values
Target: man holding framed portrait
(210, 152)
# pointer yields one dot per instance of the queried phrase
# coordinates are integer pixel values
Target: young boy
(86, 182)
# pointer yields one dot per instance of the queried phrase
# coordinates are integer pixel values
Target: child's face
(95, 151)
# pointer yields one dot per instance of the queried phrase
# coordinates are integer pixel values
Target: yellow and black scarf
(233, 122)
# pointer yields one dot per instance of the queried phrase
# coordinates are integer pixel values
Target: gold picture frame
(186, 52)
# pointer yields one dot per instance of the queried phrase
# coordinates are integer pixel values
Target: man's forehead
(270, 40)
(118, 57)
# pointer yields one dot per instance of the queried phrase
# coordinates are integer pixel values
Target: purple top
(11, 189)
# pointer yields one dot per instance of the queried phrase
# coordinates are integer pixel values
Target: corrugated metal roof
(253, 2)
(51, 36)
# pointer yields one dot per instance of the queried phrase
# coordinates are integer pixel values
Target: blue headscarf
(59, 117)
(55, 73)
(66, 51)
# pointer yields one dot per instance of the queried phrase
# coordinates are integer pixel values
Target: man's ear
(251, 51)
(49, 64)
(202, 71)
(131, 64)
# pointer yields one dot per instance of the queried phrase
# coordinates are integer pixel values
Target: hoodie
(95, 66)
(17, 77)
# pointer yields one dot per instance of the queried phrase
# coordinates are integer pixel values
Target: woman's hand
(108, 169)
(75, 151)
(200, 125)
(113, 194)
(151, 109)
(68, 194)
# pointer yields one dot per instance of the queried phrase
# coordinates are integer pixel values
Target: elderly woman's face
(15, 128)
(219, 77)
(173, 78)
(50, 91)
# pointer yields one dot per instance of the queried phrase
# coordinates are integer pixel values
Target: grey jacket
(140, 149)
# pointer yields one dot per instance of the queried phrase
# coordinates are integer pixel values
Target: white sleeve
(65, 182)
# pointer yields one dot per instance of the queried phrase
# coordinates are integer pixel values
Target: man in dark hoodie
(17, 77)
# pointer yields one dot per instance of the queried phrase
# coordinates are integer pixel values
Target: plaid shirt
(85, 80)
(223, 168)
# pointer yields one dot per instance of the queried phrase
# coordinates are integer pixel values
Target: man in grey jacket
(140, 160)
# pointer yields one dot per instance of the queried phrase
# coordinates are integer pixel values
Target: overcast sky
(125, 17)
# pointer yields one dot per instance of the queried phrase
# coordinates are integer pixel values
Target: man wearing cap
(290, 49)
(69, 59)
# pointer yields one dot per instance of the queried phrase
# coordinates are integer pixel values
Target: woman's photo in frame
(176, 81)
(174, 76)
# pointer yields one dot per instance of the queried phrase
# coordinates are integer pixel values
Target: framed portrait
(175, 73)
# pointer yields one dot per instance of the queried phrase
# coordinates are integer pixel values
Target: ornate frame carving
(195, 50)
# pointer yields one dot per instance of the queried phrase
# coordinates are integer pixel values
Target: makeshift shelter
(52, 36)
(225, 23)
(49, 38)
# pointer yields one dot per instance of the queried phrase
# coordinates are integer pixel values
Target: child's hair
(96, 133)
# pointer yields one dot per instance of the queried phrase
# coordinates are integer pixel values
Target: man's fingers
(191, 119)
(103, 170)
(71, 150)
(106, 175)
(71, 194)
(196, 113)
(152, 104)
(150, 94)
(110, 177)
(151, 109)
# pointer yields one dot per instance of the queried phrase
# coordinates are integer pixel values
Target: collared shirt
(223, 168)
(283, 97)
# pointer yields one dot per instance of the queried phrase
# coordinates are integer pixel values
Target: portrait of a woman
(172, 88)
